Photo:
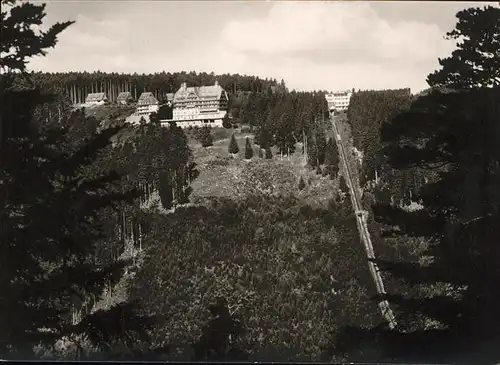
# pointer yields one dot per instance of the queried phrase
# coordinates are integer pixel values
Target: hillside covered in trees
(99, 203)
(132, 242)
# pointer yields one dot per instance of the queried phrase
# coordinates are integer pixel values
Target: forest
(104, 255)
(77, 85)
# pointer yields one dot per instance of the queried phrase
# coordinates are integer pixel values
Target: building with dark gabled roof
(96, 99)
(147, 104)
(124, 98)
(199, 106)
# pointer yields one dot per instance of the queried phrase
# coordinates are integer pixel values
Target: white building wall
(92, 103)
(189, 118)
(198, 117)
(338, 101)
(147, 109)
(200, 123)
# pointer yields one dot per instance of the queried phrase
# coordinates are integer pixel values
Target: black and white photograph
(250, 181)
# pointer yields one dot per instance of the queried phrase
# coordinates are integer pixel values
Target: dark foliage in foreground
(448, 305)
(289, 276)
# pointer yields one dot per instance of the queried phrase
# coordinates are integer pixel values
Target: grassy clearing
(220, 137)
(109, 113)
(223, 175)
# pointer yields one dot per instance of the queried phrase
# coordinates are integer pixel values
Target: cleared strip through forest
(361, 216)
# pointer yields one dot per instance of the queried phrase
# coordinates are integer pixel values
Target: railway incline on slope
(361, 220)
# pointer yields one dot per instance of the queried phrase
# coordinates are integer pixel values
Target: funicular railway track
(364, 234)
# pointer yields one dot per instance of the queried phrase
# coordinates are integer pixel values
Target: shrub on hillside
(302, 184)
(226, 121)
(269, 154)
(193, 132)
(233, 145)
(248, 149)
(205, 137)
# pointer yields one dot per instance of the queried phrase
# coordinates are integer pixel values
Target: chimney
(216, 83)
(183, 86)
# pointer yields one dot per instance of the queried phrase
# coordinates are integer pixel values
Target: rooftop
(147, 98)
(199, 92)
(339, 93)
(96, 97)
(124, 95)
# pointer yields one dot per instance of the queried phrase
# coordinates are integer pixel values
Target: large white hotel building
(199, 106)
(339, 100)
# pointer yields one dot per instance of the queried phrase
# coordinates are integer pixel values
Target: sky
(312, 45)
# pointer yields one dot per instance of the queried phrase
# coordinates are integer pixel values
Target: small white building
(124, 98)
(147, 104)
(339, 100)
(96, 99)
(199, 106)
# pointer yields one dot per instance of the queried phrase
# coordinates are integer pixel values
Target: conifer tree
(226, 121)
(51, 200)
(20, 41)
(165, 190)
(331, 159)
(302, 183)
(476, 61)
(248, 149)
(205, 137)
(233, 145)
(269, 154)
(312, 151)
(45, 186)
(321, 144)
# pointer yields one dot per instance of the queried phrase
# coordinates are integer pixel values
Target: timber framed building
(147, 104)
(199, 106)
(96, 99)
(124, 98)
